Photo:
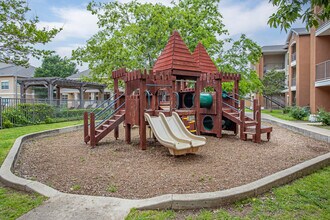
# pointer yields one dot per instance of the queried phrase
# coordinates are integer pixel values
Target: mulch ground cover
(117, 169)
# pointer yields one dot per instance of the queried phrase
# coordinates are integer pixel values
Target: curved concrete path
(69, 206)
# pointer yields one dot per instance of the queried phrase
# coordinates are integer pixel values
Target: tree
(55, 66)
(273, 83)
(18, 36)
(132, 35)
(290, 11)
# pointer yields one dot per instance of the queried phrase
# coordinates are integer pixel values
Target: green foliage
(7, 124)
(132, 35)
(323, 117)
(55, 66)
(273, 82)
(290, 11)
(14, 204)
(150, 215)
(237, 60)
(49, 120)
(19, 35)
(27, 114)
(299, 113)
(112, 188)
(286, 110)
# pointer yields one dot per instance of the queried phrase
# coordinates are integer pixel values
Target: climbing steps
(248, 125)
(101, 122)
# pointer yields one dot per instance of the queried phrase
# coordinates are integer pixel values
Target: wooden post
(198, 119)
(116, 90)
(258, 126)
(50, 93)
(86, 136)
(58, 96)
(92, 130)
(219, 106)
(143, 126)
(255, 105)
(128, 133)
(81, 97)
(242, 118)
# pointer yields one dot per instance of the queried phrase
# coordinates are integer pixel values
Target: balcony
(323, 29)
(293, 81)
(273, 66)
(293, 59)
(322, 76)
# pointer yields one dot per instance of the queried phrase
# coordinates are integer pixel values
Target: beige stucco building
(306, 59)
(9, 76)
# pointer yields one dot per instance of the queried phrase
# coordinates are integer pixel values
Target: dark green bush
(7, 124)
(36, 113)
(286, 110)
(299, 113)
(15, 115)
(323, 117)
(49, 120)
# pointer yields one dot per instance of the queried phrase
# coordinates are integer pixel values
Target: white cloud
(76, 23)
(240, 18)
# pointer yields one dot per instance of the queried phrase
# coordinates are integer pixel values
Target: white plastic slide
(178, 142)
(180, 130)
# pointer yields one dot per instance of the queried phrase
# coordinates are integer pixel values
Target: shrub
(286, 110)
(299, 112)
(7, 124)
(49, 120)
(323, 117)
(15, 115)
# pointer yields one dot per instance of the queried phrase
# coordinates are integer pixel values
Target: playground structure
(173, 89)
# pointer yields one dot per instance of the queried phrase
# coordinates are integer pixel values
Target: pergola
(57, 83)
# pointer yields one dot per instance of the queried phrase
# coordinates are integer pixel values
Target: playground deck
(118, 169)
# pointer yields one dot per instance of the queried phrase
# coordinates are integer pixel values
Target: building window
(5, 84)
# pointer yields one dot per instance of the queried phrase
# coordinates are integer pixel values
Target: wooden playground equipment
(176, 84)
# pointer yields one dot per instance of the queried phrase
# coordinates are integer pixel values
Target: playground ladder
(99, 124)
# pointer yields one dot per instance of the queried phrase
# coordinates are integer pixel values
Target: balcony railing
(322, 71)
(293, 57)
(275, 66)
(293, 82)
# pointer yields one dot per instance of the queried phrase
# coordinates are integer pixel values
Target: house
(9, 76)
(90, 94)
(306, 59)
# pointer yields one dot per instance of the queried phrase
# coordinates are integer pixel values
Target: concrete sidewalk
(303, 128)
(80, 207)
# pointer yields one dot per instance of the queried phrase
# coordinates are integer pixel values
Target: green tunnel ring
(208, 123)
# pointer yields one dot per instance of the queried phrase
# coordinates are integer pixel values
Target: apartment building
(307, 66)
(9, 75)
(90, 94)
(274, 57)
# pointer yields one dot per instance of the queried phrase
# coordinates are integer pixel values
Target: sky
(239, 16)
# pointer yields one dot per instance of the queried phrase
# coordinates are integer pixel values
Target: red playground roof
(176, 55)
(203, 60)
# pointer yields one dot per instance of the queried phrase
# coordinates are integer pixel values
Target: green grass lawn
(323, 126)
(306, 198)
(14, 203)
(278, 114)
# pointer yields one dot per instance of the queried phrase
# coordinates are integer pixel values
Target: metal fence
(21, 112)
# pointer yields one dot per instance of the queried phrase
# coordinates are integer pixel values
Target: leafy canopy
(273, 82)
(18, 36)
(290, 11)
(55, 66)
(133, 34)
